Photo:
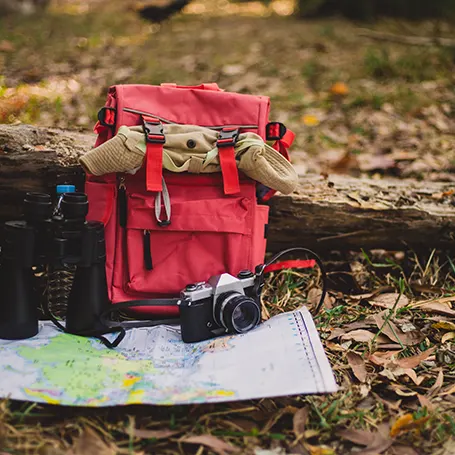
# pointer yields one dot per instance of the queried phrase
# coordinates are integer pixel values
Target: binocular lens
(74, 205)
(237, 312)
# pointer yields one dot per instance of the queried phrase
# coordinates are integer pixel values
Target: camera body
(224, 304)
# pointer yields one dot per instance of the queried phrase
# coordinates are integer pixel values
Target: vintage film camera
(41, 239)
(224, 304)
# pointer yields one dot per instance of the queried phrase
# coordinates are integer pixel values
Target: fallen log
(36, 159)
(335, 213)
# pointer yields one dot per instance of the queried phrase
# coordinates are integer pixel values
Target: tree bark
(346, 213)
(338, 213)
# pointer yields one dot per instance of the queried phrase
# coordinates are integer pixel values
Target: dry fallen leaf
(213, 443)
(381, 358)
(314, 297)
(357, 365)
(381, 442)
(440, 306)
(6, 46)
(395, 333)
(425, 402)
(394, 368)
(360, 335)
(319, 450)
(444, 325)
(443, 195)
(153, 434)
(233, 70)
(335, 333)
(339, 89)
(89, 442)
(448, 391)
(300, 420)
(414, 361)
(277, 416)
(388, 300)
(403, 450)
(445, 356)
(436, 387)
(360, 437)
(342, 161)
(310, 120)
(407, 423)
(401, 390)
(447, 336)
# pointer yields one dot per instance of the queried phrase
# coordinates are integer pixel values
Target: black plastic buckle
(274, 131)
(228, 137)
(154, 132)
(102, 116)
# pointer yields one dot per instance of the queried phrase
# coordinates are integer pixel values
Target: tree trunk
(338, 213)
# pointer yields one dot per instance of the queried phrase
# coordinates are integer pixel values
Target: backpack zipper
(212, 127)
(122, 202)
(147, 250)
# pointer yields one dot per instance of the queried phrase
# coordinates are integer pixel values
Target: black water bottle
(24, 246)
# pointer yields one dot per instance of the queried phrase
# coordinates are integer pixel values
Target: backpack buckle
(154, 131)
(106, 116)
(228, 137)
(274, 131)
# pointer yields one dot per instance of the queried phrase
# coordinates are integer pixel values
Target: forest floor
(358, 106)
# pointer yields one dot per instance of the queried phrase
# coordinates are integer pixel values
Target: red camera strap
(291, 264)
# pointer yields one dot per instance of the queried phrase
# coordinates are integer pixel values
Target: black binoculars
(42, 239)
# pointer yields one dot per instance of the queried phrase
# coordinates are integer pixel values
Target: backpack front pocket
(205, 237)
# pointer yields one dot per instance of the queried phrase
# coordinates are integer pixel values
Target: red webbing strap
(103, 133)
(154, 139)
(105, 125)
(225, 144)
(154, 165)
(281, 145)
(291, 264)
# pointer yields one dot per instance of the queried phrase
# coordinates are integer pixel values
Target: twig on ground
(408, 40)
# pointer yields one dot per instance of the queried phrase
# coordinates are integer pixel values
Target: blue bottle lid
(65, 189)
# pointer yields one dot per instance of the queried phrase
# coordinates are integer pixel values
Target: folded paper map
(282, 356)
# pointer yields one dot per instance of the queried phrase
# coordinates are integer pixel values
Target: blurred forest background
(367, 85)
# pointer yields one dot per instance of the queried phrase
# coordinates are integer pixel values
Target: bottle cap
(65, 189)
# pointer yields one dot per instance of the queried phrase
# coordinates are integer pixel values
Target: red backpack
(217, 224)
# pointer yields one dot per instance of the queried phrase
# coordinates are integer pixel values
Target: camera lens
(236, 312)
(74, 205)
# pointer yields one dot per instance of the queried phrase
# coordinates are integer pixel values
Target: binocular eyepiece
(44, 239)
(37, 207)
